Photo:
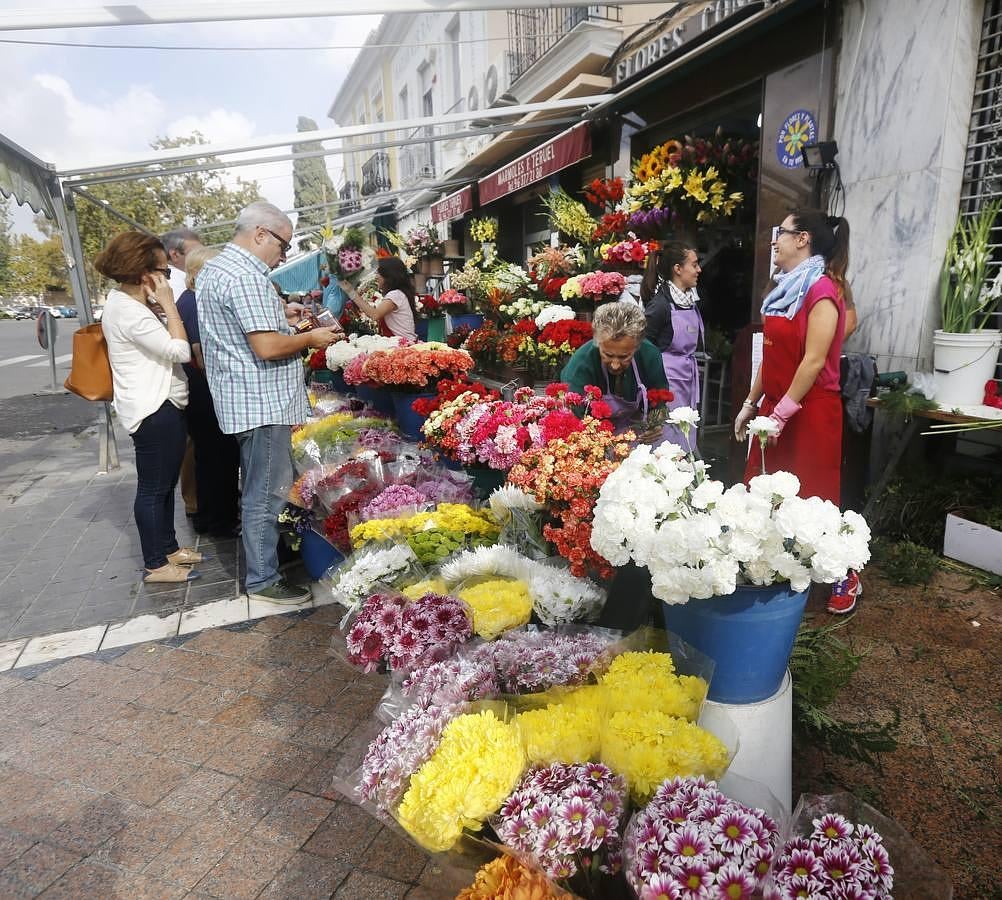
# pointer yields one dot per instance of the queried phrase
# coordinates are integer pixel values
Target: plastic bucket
(472, 320)
(339, 384)
(409, 421)
(486, 480)
(963, 363)
(421, 329)
(319, 554)
(379, 399)
(749, 635)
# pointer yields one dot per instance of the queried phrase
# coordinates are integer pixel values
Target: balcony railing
(417, 162)
(376, 173)
(350, 198)
(531, 32)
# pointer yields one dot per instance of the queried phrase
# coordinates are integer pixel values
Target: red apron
(811, 443)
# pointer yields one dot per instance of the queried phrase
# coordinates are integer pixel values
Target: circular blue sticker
(797, 130)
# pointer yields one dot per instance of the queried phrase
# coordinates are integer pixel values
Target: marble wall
(904, 87)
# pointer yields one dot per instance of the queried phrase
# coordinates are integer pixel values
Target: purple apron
(679, 361)
(626, 413)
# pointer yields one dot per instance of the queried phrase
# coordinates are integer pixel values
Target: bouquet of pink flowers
(629, 252)
(401, 634)
(422, 240)
(595, 285)
(692, 841)
(418, 367)
(454, 302)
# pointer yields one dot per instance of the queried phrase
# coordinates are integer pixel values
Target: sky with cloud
(76, 106)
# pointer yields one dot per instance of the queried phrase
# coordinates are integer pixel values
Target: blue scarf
(791, 288)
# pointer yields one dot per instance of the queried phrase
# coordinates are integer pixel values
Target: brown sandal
(170, 574)
(185, 557)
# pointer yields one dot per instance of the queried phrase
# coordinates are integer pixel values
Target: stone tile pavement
(199, 766)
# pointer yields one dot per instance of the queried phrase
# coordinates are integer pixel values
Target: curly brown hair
(129, 256)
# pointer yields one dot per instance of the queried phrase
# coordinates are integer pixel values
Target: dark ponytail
(830, 239)
(397, 278)
(660, 266)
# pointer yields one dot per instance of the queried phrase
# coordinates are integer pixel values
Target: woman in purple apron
(620, 362)
(675, 326)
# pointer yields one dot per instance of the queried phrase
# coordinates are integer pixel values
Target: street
(24, 365)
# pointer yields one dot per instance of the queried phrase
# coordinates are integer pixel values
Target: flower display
(569, 215)
(453, 301)
(561, 815)
(630, 252)
(497, 604)
(648, 679)
(566, 476)
(698, 539)
(484, 229)
(476, 765)
(402, 634)
(343, 352)
(523, 308)
(348, 253)
(691, 840)
(428, 306)
(399, 750)
(565, 336)
(564, 731)
(449, 389)
(595, 285)
(391, 500)
(505, 878)
(838, 858)
(554, 313)
(422, 240)
(415, 367)
(357, 578)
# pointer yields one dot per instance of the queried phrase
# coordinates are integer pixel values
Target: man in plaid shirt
(252, 362)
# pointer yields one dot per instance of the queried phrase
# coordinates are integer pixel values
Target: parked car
(23, 312)
(68, 312)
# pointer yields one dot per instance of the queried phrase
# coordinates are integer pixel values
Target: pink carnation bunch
(564, 816)
(349, 260)
(354, 370)
(413, 367)
(454, 300)
(692, 841)
(596, 284)
(403, 635)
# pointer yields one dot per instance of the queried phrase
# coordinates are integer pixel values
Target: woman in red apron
(803, 322)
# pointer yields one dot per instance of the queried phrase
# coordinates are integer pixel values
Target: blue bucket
(486, 480)
(409, 421)
(379, 399)
(421, 329)
(319, 554)
(748, 634)
(339, 384)
(473, 320)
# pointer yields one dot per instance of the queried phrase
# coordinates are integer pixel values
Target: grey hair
(615, 320)
(262, 213)
(174, 240)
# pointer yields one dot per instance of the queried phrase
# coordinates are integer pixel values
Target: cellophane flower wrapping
(388, 565)
(394, 632)
(838, 846)
(521, 518)
(567, 820)
(507, 878)
(497, 603)
(692, 840)
(699, 540)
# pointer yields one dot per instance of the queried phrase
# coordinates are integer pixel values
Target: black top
(658, 312)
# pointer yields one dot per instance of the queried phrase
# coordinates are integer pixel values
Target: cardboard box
(972, 543)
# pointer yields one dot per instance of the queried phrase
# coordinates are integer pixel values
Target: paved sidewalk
(199, 766)
(69, 551)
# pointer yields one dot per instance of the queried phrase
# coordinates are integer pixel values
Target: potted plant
(964, 350)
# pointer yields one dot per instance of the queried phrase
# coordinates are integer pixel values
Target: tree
(311, 184)
(37, 266)
(161, 202)
(5, 247)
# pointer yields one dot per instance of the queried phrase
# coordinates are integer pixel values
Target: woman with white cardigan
(150, 391)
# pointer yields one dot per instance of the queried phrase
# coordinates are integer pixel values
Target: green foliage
(821, 665)
(967, 301)
(905, 562)
(905, 403)
(913, 507)
(35, 266)
(311, 184)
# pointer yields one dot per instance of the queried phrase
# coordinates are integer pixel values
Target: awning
(453, 206)
(25, 177)
(301, 274)
(557, 153)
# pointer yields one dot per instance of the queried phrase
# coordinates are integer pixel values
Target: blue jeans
(160, 443)
(266, 461)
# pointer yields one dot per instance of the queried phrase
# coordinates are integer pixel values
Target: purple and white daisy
(735, 884)
(733, 831)
(831, 828)
(694, 880)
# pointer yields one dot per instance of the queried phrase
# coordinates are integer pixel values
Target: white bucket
(963, 363)
(765, 738)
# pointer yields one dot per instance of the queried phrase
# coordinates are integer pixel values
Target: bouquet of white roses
(699, 540)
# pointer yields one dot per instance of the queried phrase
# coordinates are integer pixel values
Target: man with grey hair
(178, 243)
(252, 362)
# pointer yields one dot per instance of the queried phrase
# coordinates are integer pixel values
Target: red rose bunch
(611, 225)
(603, 191)
(629, 252)
(318, 360)
(571, 332)
(551, 286)
(459, 336)
(526, 328)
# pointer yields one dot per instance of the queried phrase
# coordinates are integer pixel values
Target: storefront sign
(798, 129)
(562, 151)
(453, 206)
(675, 35)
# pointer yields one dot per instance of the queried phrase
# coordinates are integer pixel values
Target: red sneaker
(845, 593)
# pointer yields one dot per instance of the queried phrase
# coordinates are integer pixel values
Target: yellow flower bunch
(497, 605)
(321, 428)
(450, 517)
(647, 681)
(647, 747)
(571, 288)
(569, 216)
(485, 229)
(478, 762)
(428, 586)
(565, 731)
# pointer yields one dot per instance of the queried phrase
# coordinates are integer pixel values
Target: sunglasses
(165, 271)
(283, 244)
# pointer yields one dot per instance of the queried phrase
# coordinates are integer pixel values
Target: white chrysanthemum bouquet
(699, 540)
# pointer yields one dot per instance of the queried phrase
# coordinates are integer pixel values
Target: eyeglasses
(283, 244)
(781, 231)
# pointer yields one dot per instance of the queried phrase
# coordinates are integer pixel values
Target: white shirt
(145, 360)
(178, 281)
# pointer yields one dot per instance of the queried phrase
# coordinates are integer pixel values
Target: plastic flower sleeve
(390, 565)
(840, 843)
(507, 875)
(559, 598)
(497, 603)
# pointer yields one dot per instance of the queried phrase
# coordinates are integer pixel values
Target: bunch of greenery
(905, 562)
(967, 300)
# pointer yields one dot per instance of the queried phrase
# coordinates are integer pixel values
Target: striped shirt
(235, 298)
